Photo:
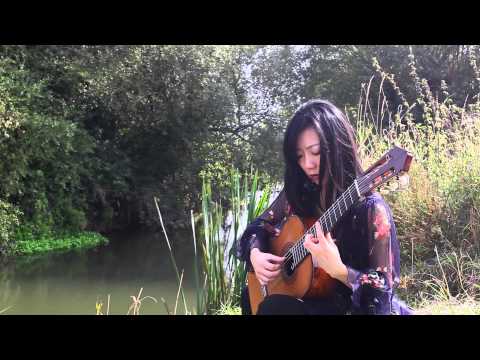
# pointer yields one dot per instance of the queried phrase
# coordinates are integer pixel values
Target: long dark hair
(338, 157)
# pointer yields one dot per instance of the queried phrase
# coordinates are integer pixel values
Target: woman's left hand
(325, 251)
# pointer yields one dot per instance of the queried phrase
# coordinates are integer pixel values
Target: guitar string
(324, 223)
(329, 210)
(336, 205)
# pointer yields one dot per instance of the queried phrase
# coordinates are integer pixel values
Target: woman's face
(308, 154)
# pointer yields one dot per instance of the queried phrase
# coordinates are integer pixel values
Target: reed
(219, 275)
(224, 273)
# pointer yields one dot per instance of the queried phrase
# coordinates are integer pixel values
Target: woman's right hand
(265, 265)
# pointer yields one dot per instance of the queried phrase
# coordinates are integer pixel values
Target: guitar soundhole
(288, 269)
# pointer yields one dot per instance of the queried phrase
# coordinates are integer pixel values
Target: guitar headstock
(395, 163)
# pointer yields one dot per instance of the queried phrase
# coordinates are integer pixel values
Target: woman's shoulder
(371, 200)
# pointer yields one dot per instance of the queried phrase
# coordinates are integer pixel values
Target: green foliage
(29, 245)
(229, 310)
(437, 217)
(224, 274)
(9, 219)
(289, 75)
(45, 157)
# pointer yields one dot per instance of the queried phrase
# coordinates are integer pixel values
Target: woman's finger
(269, 264)
(311, 239)
(273, 274)
(308, 238)
(274, 258)
(272, 267)
(319, 230)
(308, 242)
(311, 247)
(329, 238)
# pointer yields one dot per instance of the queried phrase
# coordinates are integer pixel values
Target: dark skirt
(338, 304)
(287, 305)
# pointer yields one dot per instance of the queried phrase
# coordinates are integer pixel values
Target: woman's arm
(373, 287)
(258, 232)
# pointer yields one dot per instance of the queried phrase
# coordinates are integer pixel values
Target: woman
(362, 253)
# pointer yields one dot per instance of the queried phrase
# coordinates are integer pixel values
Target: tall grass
(174, 263)
(224, 274)
(438, 216)
(219, 274)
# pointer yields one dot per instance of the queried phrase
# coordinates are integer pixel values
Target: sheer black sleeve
(373, 286)
(258, 232)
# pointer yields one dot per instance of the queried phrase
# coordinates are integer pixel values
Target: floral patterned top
(367, 242)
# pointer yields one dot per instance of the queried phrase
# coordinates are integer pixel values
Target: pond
(73, 282)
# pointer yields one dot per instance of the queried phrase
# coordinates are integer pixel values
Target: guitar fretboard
(327, 221)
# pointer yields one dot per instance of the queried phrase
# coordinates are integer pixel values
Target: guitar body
(306, 281)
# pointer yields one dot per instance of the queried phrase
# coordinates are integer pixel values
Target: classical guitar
(298, 277)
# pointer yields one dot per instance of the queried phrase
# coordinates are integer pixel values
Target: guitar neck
(328, 220)
(393, 163)
(335, 212)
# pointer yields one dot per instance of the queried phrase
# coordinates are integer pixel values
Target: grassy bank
(21, 236)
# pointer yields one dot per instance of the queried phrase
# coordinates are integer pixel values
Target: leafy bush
(9, 220)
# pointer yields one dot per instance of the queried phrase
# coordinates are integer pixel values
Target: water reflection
(72, 283)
